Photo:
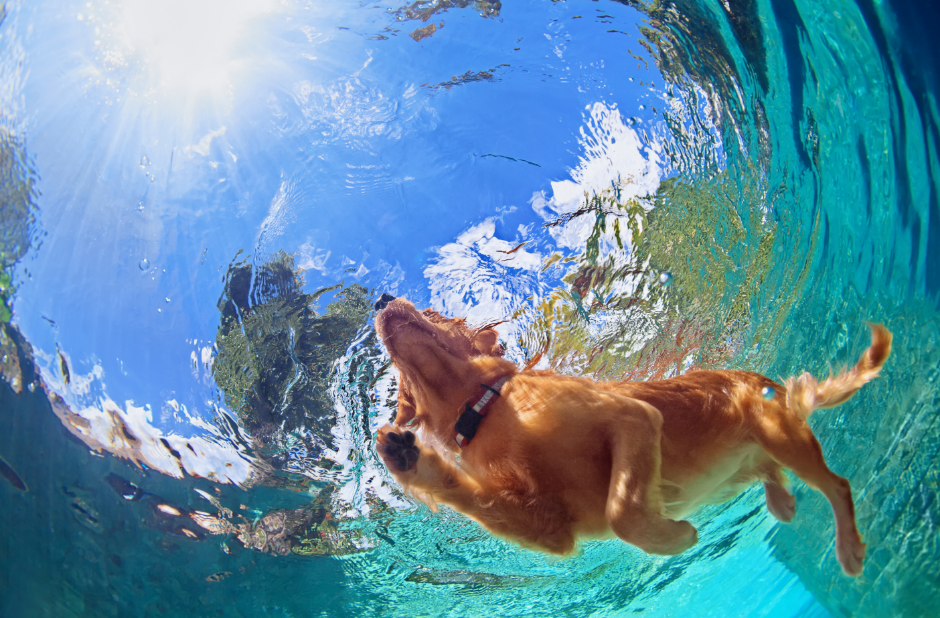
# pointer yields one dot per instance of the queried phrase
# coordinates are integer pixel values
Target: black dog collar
(475, 410)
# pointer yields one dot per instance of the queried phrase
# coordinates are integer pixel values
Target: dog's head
(433, 354)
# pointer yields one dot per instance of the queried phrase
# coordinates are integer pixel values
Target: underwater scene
(203, 201)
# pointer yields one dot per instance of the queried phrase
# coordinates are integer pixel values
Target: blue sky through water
(361, 155)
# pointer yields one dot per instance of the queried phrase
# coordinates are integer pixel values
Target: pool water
(202, 200)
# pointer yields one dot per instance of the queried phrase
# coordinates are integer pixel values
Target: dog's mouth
(411, 339)
(402, 327)
(399, 315)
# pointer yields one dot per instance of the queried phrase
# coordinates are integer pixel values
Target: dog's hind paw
(398, 450)
(780, 502)
(851, 553)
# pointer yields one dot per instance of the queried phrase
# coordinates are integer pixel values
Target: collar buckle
(475, 411)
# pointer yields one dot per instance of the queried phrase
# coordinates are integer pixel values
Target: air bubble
(665, 277)
(140, 206)
(768, 393)
(167, 299)
(144, 264)
(144, 161)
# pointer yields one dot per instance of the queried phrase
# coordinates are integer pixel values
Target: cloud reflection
(481, 277)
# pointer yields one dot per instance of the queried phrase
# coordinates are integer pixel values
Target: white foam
(128, 432)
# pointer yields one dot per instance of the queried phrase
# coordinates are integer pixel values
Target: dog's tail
(805, 394)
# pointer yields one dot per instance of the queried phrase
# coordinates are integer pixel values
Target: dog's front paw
(780, 502)
(398, 450)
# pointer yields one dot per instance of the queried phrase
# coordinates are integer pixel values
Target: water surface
(201, 202)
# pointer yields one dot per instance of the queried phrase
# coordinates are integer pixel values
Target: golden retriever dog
(544, 459)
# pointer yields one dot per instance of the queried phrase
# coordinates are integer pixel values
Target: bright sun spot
(193, 44)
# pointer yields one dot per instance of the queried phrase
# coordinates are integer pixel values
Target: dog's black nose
(384, 301)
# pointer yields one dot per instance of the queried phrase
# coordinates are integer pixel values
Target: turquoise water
(201, 201)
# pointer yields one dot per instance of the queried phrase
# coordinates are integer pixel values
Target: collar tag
(475, 411)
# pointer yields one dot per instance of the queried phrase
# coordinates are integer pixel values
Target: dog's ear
(486, 342)
(433, 316)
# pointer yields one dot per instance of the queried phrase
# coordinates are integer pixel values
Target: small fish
(11, 476)
(468, 579)
(127, 490)
(385, 537)
(64, 368)
(217, 577)
(184, 531)
(86, 514)
(211, 499)
(168, 546)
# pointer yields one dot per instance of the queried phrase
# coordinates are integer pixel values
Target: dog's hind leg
(634, 501)
(790, 442)
(780, 502)
(784, 434)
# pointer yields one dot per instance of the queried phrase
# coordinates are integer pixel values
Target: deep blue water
(201, 200)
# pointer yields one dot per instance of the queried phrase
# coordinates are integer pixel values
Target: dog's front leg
(634, 500)
(498, 505)
(414, 466)
(421, 471)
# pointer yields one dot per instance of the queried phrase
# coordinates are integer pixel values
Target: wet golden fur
(562, 458)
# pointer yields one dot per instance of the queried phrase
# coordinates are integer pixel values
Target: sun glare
(190, 44)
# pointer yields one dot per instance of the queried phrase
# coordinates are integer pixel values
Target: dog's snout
(384, 301)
